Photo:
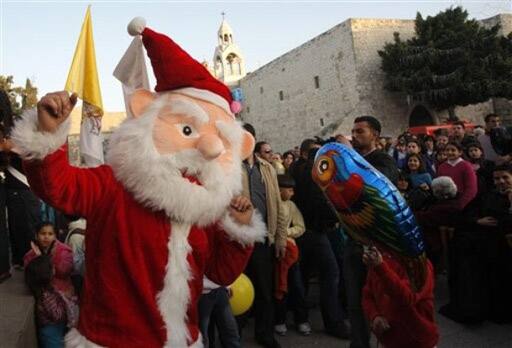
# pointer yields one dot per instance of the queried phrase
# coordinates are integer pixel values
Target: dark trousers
(5, 264)
(214, 310)
(260, 270)
(355, 276)
(23, 209)
(317, 255)
(295, 299)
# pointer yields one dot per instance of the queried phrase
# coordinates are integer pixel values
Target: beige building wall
(351, 83)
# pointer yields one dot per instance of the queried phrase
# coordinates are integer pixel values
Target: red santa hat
(175, 70)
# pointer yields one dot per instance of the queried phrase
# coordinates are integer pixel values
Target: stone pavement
(17, 324)
(453, 335)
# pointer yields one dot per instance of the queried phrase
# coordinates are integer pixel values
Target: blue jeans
(52, 336)
(214, 309)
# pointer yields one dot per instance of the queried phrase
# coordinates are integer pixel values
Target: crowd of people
(458, 186)
(460, 190)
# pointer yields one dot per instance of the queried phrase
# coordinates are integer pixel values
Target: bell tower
(228, 61)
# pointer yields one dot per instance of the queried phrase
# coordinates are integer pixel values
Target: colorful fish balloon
(369, 207)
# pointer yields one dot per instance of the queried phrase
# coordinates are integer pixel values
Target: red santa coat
(144, 273)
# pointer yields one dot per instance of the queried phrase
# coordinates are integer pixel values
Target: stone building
(319, 87)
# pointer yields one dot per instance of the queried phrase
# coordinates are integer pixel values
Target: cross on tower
(223, 14)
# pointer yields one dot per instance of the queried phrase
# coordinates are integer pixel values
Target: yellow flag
(83, 80)
(83, 75)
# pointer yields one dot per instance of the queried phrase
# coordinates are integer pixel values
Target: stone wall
(304, 110)
(351, 83)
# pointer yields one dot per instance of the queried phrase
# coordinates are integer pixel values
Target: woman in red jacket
(398, 315)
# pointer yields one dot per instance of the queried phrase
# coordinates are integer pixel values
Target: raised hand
(53, 109)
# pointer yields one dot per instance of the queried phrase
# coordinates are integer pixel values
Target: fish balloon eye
(323, 166)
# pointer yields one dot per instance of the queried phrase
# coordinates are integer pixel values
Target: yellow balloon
(242, 295)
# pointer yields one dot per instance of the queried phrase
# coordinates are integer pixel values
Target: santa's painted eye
(187, 130)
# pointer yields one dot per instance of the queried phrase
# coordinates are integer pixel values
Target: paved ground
(17, 325)
(16, 312)
(453, 335)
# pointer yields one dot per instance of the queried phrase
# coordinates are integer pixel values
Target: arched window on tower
(234, 67)
(226, 38)
(219, 71)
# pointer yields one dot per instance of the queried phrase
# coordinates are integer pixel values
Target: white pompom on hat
(136, 26)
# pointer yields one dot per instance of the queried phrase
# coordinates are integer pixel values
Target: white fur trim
(80, 223)
(74, 339)
(34, 144)
(198, 343)
(174, 298)
(444, 187)
(245, 234)
(156, 180)
(206, 95)
(136, 26)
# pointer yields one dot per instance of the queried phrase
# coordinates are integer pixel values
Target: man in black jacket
(365, 134)
(316, 253)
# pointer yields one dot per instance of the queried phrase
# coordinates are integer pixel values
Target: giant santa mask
(160, 215)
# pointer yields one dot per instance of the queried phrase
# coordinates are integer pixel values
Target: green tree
(21, 97)
(451, 61)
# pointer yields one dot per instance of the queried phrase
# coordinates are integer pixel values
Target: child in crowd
(48, 274)
(288, 276)
(400, 153)
(462, 174)
(399, 315)
(418, 176)
(482, 167)
(429, 153)
(403, 184)
(440, 157)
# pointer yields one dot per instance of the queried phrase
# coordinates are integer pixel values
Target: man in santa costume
(162, 213)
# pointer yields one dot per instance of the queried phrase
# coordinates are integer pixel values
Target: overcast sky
(38, 38)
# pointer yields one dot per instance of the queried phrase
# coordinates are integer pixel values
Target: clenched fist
(241, 210)
(53, 109)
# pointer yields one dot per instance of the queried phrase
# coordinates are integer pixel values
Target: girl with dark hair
(417, 172)
(56, 303)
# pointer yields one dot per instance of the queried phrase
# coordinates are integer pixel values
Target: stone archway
(420, 116)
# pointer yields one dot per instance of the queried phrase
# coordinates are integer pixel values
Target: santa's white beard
(157, 181)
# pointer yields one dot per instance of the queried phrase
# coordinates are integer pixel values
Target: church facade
(318, 88)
